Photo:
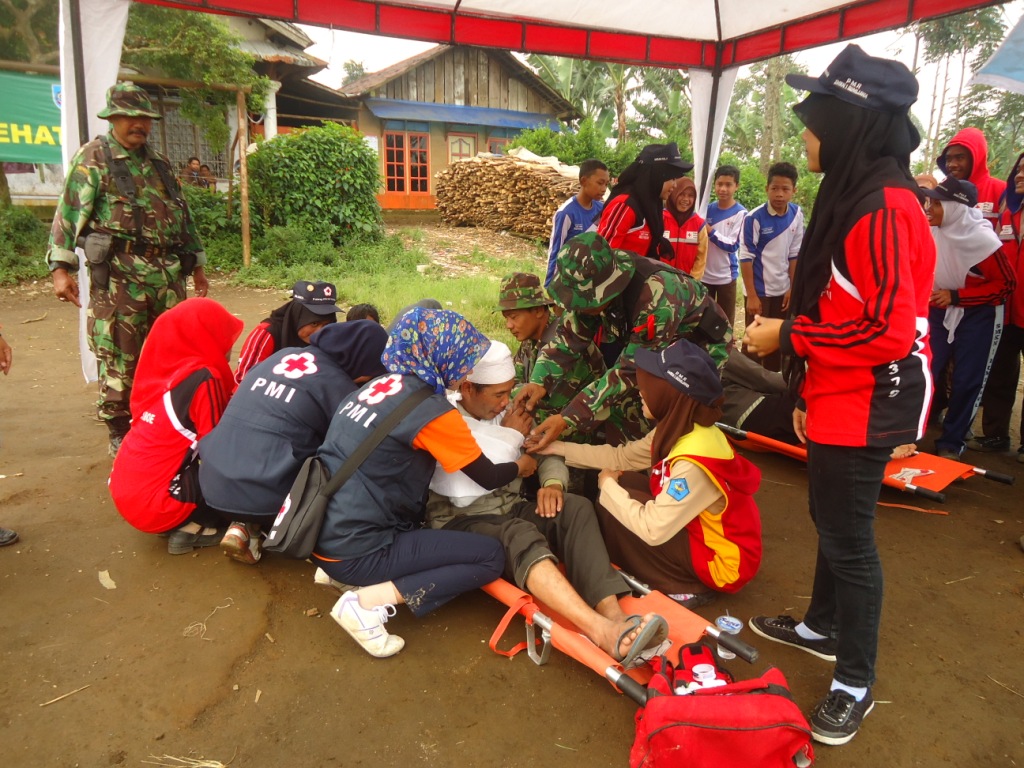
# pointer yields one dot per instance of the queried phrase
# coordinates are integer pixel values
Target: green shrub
(209, 211)
(323, 179)
(22, 245)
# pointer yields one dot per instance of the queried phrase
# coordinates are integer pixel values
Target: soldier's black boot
(118, 428)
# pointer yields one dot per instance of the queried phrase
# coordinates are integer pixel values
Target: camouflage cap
(589, 273)
(127, 100)
(521, 290)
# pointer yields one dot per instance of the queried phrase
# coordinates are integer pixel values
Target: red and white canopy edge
(707, 37)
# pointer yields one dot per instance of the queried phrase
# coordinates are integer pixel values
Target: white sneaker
(367, 625)
(322, 579)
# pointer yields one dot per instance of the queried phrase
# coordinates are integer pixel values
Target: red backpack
(735, 725)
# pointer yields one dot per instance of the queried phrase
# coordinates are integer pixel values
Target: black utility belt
(140, 247)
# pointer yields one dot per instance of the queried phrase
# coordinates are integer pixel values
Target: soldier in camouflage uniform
(528, 317)
(122, 204)
(620, 302)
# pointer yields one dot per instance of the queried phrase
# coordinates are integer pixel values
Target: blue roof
(396, 109)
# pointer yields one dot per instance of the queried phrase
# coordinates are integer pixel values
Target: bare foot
(618, 638)
(903, 451)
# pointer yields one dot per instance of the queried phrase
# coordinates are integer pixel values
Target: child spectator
(771, 239)
(633, 219)
(685, 231)
(581, 213)
(363, 312)
(725, 225)
(290, 325)
(973, 279)
(1001, 389)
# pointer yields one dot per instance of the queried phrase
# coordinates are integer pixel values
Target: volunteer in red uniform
(632, 219)
(685, 230)
(182, 386)
(290, 325)
(966, 158)
(857, 337)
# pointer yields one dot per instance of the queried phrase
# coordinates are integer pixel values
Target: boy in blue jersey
(771, 239)
(725, 220)
(581, 213)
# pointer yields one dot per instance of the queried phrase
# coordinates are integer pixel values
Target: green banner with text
(29, 118)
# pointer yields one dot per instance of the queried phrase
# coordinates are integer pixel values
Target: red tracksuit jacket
(868, 379)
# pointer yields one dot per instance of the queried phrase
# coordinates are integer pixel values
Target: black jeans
(846, 600)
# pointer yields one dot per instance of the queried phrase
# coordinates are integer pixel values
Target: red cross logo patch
(295, 366)
(381, 388)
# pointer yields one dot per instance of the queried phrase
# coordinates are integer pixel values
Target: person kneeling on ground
(182, 386)
(278, 419)
(534, 534)
(371, 535)
(692, 528)
(290, 325)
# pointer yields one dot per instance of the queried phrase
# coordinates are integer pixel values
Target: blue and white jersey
(570, 219)
(771, 242)
(726, 225)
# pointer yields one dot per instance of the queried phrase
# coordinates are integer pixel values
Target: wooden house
(445, 104)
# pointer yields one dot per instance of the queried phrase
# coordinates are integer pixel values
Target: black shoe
(7, 536)
(782, 629)
(838, 716)
(989, 444)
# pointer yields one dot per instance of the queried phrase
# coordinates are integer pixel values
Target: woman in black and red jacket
(857, 337)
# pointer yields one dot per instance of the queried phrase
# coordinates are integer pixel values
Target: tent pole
(77, 56)
(709, 131)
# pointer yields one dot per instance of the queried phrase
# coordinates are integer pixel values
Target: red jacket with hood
(1013, 246)
(990, 189)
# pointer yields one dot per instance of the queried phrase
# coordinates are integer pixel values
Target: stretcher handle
(627, 685)
(999, 477)
(744, 650)
(926, 492)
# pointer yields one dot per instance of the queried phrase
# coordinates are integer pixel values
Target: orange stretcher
(685, 626)
(922, 474)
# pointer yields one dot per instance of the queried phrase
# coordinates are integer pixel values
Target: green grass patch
(22, 245)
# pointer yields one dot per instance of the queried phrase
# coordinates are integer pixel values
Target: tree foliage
(324, 179)
(28, 31)
(196, 47)
(573, 146)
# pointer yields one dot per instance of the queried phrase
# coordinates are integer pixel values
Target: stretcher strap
(511, 613)
(914, 509)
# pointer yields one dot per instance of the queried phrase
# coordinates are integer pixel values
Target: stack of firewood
(504, 193)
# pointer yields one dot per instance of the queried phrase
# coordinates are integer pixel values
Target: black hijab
(642, 182)
(286, 320)
(862, 152)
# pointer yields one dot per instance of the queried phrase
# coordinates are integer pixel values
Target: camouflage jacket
(668, 306)
(91, 201)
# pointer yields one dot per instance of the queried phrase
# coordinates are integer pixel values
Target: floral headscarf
(436, 345)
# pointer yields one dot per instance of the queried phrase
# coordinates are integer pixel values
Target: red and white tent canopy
(711, 38)
(666, 33)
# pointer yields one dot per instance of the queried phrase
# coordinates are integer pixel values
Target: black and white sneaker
(782, 629)
(838, 716)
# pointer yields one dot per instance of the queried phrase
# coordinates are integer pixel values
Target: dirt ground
(201, 656)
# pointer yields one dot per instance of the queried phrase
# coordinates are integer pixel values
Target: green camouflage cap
(589, 273)
(127, 100)
(521, 290)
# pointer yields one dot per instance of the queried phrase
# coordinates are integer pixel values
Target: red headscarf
(195, 334)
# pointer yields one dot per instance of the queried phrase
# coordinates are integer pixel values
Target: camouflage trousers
(120, 317)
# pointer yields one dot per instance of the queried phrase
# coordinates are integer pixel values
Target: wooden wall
(467, 77)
